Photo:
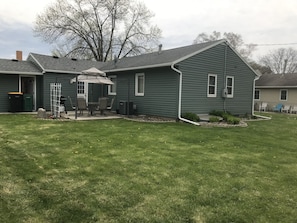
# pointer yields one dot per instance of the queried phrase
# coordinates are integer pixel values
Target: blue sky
(258, 21)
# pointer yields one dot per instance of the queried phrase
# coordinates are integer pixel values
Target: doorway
(82, 90)
(28, 87)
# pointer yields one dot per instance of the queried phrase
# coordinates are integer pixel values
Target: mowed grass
(125, 171)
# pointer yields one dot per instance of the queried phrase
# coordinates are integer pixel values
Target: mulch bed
(147, 118)
(158, 119)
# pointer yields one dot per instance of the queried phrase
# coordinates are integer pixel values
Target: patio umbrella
(92, 75)
(94, 71)
(95, 79)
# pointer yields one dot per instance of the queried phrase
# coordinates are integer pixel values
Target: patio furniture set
(102, 105)
(279, 108)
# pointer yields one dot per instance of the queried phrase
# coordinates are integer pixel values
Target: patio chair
(71, 103)
(81, 105)
(294, 109)
(263, 106)
(102, 105)
(286, 108)
(277, 108)
(109, 106)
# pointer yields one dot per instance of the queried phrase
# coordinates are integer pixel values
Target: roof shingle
(63, 64)
(157, 59)
(19, 67)
(277, 80)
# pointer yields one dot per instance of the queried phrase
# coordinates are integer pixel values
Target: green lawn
(125, 171)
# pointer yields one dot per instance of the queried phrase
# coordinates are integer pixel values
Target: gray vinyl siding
(9, 83)
(68, 89)
(242, 103)
(160, 94)
(195, 80)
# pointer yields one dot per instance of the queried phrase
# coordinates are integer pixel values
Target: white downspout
(179, 97)
(253, 108)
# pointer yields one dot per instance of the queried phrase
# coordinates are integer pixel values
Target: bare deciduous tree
(234, 39)
(281, 61)
(258, 67)
(98, 29)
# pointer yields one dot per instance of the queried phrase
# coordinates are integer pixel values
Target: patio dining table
(92, 106)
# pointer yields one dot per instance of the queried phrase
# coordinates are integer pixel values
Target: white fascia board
(138, 68)
(61, 71)
(21, 72)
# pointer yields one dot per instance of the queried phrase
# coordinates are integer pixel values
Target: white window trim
(232, 94)
(136, 84)
(109, 86)
(216, 80)
(257, 99)
(280, 95)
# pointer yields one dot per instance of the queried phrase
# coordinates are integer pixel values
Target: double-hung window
(139, 84)
(112, 89)
(212, 85)
(283, 95)
(230, 86)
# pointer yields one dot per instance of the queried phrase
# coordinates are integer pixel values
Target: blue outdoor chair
(277, 108)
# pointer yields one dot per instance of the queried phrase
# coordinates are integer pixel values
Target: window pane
(229, 82)
(114, 86)
(257, 94)
(212, 80)
(229, 90)
(80, 87)
(211, 90)
(140, 84)
(284, 95)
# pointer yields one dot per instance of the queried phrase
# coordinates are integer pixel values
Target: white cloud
(24, 11)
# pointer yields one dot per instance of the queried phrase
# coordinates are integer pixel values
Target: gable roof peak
(158, 58)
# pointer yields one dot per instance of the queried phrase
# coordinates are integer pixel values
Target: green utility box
(28, 102)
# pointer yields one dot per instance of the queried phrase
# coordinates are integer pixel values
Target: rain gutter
(253, 108)
(180, 96)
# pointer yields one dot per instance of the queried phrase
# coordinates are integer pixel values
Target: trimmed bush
(233, 120)
(230, 119)
(214, 119)
(217, 113)
(191, 116)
